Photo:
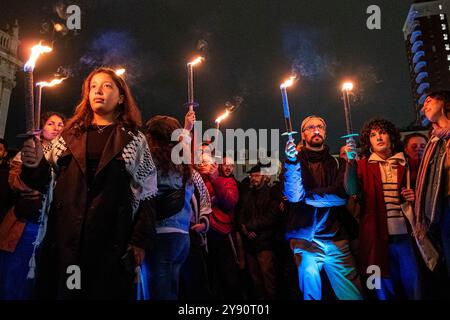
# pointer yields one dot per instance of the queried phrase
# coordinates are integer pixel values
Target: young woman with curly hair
(380, 182)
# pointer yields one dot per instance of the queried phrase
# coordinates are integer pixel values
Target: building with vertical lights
(426, 33)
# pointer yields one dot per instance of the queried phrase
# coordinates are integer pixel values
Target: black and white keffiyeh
(138, 163)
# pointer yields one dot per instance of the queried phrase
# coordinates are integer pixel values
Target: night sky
(250, 47)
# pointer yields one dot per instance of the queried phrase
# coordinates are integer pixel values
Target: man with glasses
(314, 187)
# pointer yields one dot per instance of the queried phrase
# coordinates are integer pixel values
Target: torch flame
(347, 86)
(52, 83)
(288, 83)
(36, 51)
(196, 61)
(222, 116)
(58, 27)
(120, 72)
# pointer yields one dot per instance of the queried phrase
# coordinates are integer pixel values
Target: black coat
(307, 222)
(259, 213)
(92, 227)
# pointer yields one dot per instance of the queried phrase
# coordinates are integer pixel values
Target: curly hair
(158, 131)
(384, 125)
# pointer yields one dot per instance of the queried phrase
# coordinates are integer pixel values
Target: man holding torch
(315, 190)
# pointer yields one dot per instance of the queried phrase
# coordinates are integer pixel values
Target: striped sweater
(395, 219)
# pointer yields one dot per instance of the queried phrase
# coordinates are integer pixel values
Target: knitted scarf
(428, 167)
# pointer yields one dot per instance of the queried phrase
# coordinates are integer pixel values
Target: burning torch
(190, 68)
(220, 118)
(347, 87)
(120, 72)
(40, 86)
(287, 116)
(36, 51)
(229, 108)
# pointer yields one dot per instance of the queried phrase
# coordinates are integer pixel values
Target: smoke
(60, 10)
(202, 46)
(110, 48)
(366, 79)
(63, 72)
(312, 58)
(234, 104)
(118, 49)
(307, 61)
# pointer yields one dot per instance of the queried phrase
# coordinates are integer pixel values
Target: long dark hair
(158, 131)
(380, 124)
(128, 111)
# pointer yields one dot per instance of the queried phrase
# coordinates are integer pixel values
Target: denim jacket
(180, 221)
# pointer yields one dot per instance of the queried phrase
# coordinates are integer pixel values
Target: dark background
(252, 46)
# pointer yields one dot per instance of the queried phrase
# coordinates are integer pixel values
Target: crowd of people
(99, 193)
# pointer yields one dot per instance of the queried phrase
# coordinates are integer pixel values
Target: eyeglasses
(313, 128)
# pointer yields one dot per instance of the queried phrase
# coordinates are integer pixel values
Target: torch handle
(29, 102)
(190, 87)
(284, 98)
(286, 112)
(288, 123)
(348, 118)
(37, 113)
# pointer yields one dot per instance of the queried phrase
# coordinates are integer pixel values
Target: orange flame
(196, 61)
(222, 116)
(58, 27)
(120, 72)
(347, 86)
(52, 83)
(288, 83)
(36, 51)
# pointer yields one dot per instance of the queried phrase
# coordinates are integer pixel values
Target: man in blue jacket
(317, 198)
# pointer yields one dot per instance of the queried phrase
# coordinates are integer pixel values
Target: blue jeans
(163, 265)
(14, 284)
(335, 257)
(404, 275)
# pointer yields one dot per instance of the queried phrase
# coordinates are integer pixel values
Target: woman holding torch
(102, 215)
(382, 182)
(23, 228)
(176, 217)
